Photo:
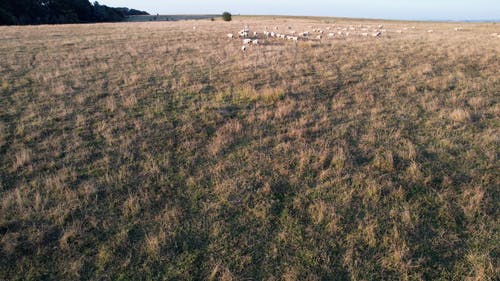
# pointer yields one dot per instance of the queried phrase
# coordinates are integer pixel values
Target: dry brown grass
(155, 151)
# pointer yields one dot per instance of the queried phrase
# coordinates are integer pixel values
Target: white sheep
(230, 35)
(319, 37)
(459, 29)
(255, 41)
(243, 48)
(255, 33)
(376, 34)
(305, 33)
(243, 33)
(247, 41)
(364, 34)
(331, 34)
(430, 31)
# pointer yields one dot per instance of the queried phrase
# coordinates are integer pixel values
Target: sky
(381, 9)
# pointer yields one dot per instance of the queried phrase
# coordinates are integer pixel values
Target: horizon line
(335, 17)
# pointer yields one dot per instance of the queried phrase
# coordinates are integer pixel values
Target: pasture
(163, 151)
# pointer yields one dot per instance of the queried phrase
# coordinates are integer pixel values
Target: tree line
(22, 12)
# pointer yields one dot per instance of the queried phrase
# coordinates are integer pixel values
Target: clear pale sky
(387, 9)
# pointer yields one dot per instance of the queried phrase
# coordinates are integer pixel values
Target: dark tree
(226, 16)
(59, 11)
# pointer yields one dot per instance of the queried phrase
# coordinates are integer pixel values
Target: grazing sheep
(364, 34)
(430, 31)
(255, 41)
(276, 28)
(243, 48)
(459, 29)
(255, 33)
(319, 37)
(332, 34)
(295, 38)
(247, 41)
(380, 26)
(305, 33)
(273, 34)
(399, 31)
(377, 34)
(243, 33)
(230, 35)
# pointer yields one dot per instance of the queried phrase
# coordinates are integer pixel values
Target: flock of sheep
(317, 34)
(255, 38)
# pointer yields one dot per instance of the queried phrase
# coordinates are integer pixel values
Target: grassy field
(159, 151)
